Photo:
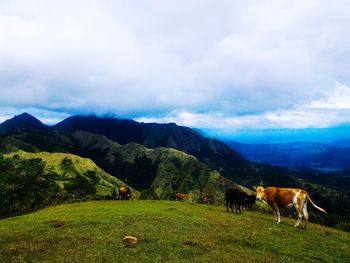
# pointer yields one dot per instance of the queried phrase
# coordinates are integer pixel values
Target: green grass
(167, 232)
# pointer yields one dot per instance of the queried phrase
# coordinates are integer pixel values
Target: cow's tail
(319, 208)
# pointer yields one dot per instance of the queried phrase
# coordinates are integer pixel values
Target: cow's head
(260, 192)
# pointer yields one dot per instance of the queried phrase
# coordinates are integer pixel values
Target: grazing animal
(234, 197)
(181, 197)
(286, 197)
(124, 193)
(208, 199)
(249, 201)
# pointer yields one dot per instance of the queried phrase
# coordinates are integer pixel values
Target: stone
(130, 241)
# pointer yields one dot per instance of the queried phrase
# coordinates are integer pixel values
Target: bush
(24, 187)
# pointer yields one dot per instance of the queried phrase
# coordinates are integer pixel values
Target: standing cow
(249, 201)
(124, 193)
(286, 197)
(181, 197)
(234, 197)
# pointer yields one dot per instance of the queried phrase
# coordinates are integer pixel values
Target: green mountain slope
(69, 166)
(172, 171)
(167, 232)
(30, 181)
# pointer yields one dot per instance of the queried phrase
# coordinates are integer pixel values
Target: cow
(287, 197)
(249, 201)
(124, 193)
(181, 197)
(208, 199)
(234, 196)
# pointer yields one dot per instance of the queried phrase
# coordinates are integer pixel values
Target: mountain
(21, 122)
(214, 153)
(345, 143)
(272, 136)
(298, 155)
(159, 172)
(29, 181)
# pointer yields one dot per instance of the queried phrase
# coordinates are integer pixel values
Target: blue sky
(227, 66)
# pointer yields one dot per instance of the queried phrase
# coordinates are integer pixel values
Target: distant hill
(341, 143)
(69, 166)
(21, 122)
(213, 153)
(30, 181)
(298, 155)
(159, 172)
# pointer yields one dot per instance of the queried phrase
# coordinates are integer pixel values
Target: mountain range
(330, 157)
(159, 160)
(160, 172)
(213, 153)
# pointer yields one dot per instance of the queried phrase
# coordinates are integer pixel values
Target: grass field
(167, 232)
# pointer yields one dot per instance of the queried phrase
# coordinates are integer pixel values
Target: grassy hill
(30, 181)
(167, 232)
(69, 166)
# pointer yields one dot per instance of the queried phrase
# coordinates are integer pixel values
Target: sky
(220, 66)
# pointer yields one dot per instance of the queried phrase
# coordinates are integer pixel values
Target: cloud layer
(227, 64)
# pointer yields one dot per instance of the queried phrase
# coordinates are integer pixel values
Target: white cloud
(338, 99)
(329, 111)
(246, 63)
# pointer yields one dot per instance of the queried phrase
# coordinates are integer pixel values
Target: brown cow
(124, 193)
(286, 197)
(181, 197)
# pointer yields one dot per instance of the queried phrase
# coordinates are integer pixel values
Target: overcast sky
(227, 65)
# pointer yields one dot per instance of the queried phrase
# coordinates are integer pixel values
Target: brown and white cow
(181, 197)
(286, 197)
(124, 193)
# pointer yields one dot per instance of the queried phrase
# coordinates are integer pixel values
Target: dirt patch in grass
(188, 243)
(56, 223)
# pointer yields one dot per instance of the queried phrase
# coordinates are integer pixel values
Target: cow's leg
(275, 214)
(300, 216)
(227, 203)
(277, 211)
(299, 209)
(278, 216)
(306, 214)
